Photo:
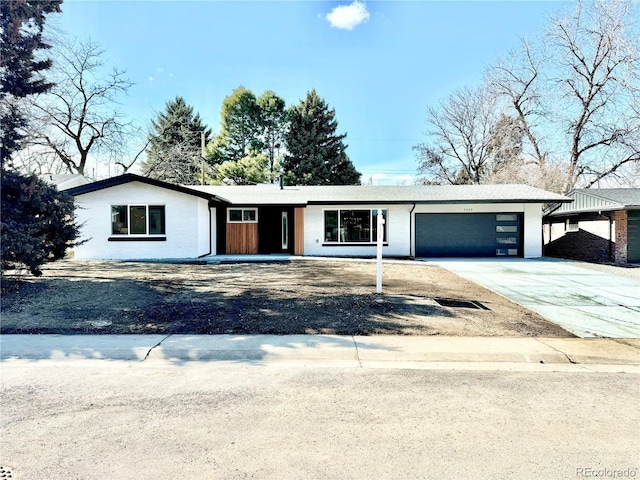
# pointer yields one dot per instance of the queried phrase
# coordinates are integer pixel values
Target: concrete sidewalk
(319, 350)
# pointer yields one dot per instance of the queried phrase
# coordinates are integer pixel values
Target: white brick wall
(398, 234)
(186, 217)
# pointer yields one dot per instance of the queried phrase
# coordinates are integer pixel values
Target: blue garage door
(469, 235)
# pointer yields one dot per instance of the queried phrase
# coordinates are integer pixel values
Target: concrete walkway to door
(584, 301)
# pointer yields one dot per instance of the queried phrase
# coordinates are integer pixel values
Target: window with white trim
(242, 215)
(353, 226)
(137, 220)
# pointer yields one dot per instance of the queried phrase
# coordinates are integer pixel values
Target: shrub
(36, 223)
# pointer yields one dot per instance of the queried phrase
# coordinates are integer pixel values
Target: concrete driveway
(581, 299)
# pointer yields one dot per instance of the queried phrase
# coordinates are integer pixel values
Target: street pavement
(336, 407)
(319, 407)
(584, 301)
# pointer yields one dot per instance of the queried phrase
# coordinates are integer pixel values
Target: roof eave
(130, 177)
(434, 202)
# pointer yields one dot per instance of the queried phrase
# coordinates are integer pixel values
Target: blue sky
(378, 64)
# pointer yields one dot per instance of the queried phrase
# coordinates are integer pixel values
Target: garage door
(468, 235)
(633, 236)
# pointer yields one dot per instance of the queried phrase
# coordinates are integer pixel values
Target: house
(600, 225)
(64, 181)
(133, 217)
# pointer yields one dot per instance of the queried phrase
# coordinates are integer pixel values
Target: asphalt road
(99, 419)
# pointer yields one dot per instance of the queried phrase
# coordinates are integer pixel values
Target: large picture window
(137, 220)
(352, 226)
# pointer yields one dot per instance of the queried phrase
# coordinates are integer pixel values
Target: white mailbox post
(380, 241)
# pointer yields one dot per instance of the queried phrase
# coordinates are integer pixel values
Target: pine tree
(36, 221)
(316, 154)
(21, 25)
(240, 128)
(273, 123)
(174, 152)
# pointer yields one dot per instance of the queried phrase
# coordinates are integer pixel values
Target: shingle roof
(359, 194)
(353, 194)
(130, 177)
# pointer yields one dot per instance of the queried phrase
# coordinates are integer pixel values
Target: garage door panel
(468, 235)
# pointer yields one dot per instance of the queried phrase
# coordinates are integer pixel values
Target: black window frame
(335, 235)
(121, 226)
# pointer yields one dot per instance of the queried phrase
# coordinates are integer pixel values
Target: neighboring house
(133, 217)
(65, 181)
(601, 225)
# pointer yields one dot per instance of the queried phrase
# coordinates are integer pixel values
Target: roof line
(432, 202)
(591, 193)
(131, 177)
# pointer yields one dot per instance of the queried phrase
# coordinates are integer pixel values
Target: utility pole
(202, 152)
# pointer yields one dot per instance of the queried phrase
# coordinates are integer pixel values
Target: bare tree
(460, 132)
(516, 78)
(578, 100)
(180, 164)
(79, 117)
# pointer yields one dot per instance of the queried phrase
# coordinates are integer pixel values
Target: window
(137, 220)
(352, 226)
(501, 252)
(242, 215)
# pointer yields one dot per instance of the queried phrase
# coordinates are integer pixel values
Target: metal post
(380, 239)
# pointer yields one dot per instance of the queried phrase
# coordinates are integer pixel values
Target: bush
(36, 224)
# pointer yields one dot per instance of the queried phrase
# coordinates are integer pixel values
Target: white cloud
(151, 79)
(348, 16)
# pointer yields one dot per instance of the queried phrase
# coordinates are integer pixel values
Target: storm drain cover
(5, 472)
(456, 303)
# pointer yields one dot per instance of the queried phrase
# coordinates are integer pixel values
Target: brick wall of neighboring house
(580, 245)
(620, 218)
(590, 243)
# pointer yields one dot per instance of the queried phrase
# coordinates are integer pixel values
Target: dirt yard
(300, 297)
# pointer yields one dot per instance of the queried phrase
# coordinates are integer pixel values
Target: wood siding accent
(298, 236)
(242, 238)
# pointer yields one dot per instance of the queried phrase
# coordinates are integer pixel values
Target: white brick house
(133, 217)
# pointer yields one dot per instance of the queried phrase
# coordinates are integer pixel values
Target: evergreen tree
(249, 170)
(174, 151)
(37, 222)
(21, 25)
(240, 128)
(273, 123)
(316, 154)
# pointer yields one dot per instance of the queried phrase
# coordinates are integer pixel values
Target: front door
(275, 230)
